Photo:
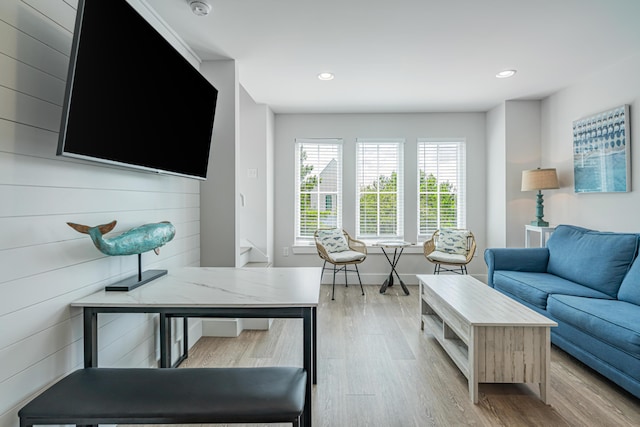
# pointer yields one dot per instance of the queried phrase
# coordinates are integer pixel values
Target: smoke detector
(199, 7)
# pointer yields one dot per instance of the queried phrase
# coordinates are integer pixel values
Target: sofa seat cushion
(535, 288)
(612, 321)
(595, 259)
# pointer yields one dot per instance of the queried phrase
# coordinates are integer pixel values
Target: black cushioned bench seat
(171, 396)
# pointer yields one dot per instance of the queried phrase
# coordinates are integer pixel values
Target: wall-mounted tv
(131, 98)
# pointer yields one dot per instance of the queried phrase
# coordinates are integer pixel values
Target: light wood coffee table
(489, 336)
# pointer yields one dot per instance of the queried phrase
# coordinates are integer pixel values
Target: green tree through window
(438, 204)
(379, 189)
(441, 185)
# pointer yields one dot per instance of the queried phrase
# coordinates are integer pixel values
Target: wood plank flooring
(376, 368)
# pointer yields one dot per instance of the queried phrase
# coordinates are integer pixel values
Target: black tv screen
(131, 98)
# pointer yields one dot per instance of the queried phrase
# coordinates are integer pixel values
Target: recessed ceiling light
(505, 74)
(326, 76)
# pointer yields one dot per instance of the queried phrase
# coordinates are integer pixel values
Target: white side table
(543, 231)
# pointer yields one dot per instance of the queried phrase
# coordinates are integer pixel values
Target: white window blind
(379, 189)
(318, 178)
(442, 185)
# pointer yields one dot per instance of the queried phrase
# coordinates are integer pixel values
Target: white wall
(522, 138)
(255, 178)
(219, 239)
(288, 127)
(44, 264)
(271, 190)
(617, 85)
(496, 195)
(513, 141)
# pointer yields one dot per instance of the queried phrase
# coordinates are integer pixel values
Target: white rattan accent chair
(452, 248)
(339, 249)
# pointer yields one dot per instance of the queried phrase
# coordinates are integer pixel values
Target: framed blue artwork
(601, 152)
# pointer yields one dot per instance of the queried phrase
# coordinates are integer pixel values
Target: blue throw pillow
(630, 288)
(596, 259)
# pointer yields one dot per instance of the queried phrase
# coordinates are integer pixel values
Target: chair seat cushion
(447, 257)
(347, 256)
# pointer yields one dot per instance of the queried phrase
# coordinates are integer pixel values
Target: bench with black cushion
(171, 396)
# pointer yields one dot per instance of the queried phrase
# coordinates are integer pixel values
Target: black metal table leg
(393, 263)
(308, 337)
(165, 341)
(393, 270)
(314, 321)
(389, 280)
(90, 337)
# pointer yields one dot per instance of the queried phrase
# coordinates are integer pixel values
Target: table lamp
(538, 180)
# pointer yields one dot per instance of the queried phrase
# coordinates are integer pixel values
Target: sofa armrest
(516, 259)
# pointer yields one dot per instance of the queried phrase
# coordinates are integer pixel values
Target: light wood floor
(376, 368)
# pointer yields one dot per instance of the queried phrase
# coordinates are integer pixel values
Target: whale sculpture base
(133, 282)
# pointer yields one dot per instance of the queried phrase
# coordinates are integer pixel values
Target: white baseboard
(376, 279)
(232, 327)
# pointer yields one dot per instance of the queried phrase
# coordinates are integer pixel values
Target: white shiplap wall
(44, 264)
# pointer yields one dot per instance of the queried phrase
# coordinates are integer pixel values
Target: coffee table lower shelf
(454, 346)
(513, 350)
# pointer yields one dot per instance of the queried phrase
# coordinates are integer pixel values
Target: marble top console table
(215, 292)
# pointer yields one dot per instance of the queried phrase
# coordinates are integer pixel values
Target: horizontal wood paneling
(29, 110)
(37, 25)
(30, 81)
(23, 201)
(44, 264)
(29, 351)
(19, 231)
(32, 52)
(65, 17)
(38, 287)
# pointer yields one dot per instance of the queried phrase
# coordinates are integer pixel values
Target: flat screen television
(131, 98)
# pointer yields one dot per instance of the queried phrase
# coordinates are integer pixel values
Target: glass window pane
(318, 186)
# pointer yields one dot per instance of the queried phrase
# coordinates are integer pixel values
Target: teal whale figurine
(148, 237)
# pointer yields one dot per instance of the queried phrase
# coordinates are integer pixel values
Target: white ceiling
(407, 55)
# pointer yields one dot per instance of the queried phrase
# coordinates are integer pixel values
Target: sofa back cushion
(630, 288)
(599, 260)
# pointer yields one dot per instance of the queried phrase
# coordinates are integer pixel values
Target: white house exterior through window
(318, 191)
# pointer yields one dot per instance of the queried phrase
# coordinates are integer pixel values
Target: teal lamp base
(539, 222)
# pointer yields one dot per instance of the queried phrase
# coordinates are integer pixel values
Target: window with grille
(318, 174)
(442, 186)
(379, 189)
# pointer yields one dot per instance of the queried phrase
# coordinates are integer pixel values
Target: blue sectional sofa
(588, 282)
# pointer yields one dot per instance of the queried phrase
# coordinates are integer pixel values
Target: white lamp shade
(539, 179)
